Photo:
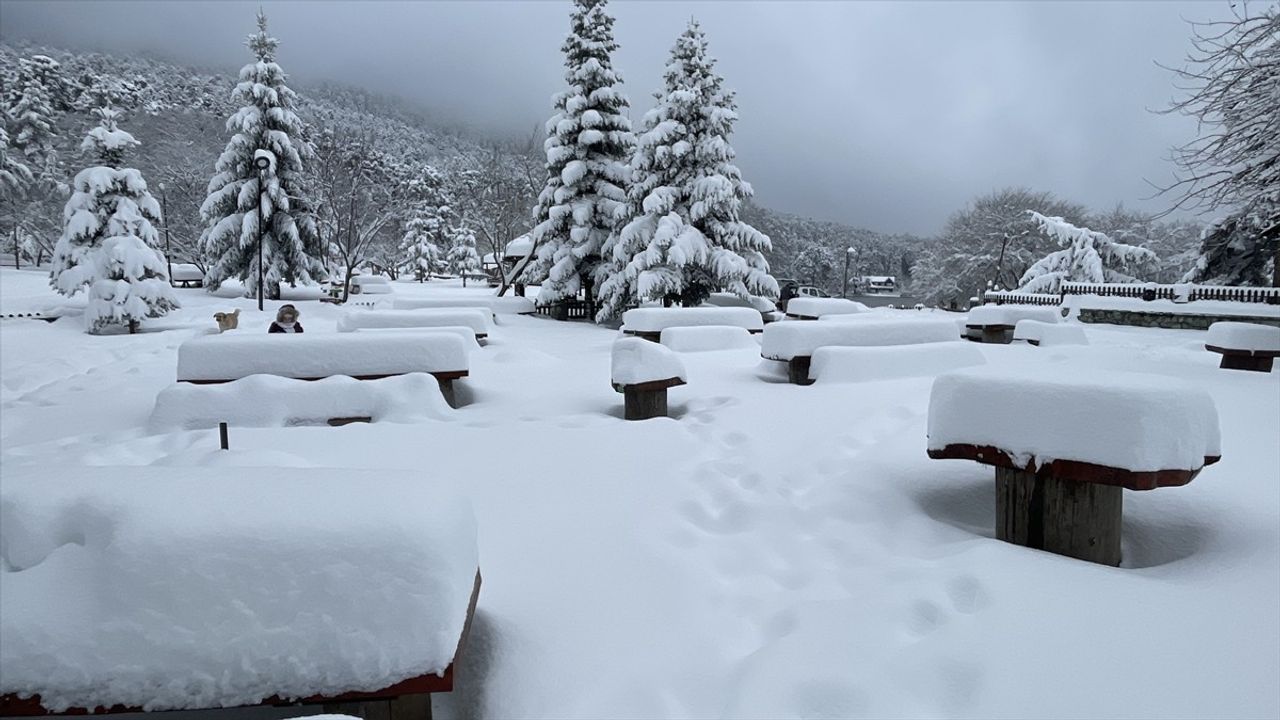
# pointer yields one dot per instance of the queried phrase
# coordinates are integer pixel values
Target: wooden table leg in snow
(798, 370)
(1063, 507)
(1257, 361)
(647, 400)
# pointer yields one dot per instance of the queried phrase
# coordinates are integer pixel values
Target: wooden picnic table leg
(446, 389)
(644, 404)
(1076, 519)
(405, 707)
(798, 370)
(1241, 361)
(996, 334)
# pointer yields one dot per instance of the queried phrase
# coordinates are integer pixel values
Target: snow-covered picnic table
(153, 588)
(812, 308)
(795, 342)
(364, 356)
(995, 323)
(476, 318)
(1038, 333)
(1065, 443)
(1244, 346)
(643, 371)
(648, 323)
(497, 305)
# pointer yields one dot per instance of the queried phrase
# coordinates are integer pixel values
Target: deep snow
(772, 550)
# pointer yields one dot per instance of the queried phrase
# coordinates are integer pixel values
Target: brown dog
(227, 321)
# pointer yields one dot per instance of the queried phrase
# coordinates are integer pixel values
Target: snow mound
(707, 337)
(862, 364)
(659, 319)
(785, 340)
(1244, 336)
(1011, 314)
(1046, 334)
(725, 299)
(818, 307)
(636, 361)
(465, 334)
(233, 355)
(203, 588)
(496, 305)
(475, 318)
(271, 401)
(1043, 413)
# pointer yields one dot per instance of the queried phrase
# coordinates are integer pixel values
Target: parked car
(811, 291)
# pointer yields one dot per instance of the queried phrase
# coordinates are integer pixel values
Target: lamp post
(164, 216)
(844, 287)
(263, 160)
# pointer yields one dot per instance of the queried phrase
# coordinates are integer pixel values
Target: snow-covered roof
(519, 247)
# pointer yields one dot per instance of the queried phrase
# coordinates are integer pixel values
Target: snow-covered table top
(811, 307)
(796, 338)
(1159, 429)
(1037, 332)
(635, 361)
(236, 354)
(657, 319)
(477, 318)
(498, 305)
(1244, 337)
(190, 587)
(1009, 315)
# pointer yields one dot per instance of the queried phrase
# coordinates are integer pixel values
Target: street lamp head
(263, 162)
(161, 186)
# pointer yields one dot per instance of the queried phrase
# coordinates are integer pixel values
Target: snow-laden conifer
(1086, 256)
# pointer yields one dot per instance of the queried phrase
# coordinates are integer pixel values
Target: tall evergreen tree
(683, 237)
(588, 144)
(425, 241)
(462, 255)
(291, 247)
(1086, 256)
(32, 118)
(109, 242)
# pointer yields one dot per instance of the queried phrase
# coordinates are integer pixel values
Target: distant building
(878, 284)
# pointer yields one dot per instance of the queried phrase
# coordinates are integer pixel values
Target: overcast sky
(887, 116)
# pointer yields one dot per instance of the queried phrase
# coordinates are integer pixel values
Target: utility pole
(844, 287)
(263, 159)
(164, 215)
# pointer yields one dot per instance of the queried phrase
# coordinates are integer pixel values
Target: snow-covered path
(771, 551)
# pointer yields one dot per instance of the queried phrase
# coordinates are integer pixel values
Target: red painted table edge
(1073, 469)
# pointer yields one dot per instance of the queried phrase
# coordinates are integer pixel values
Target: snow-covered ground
(771, 551)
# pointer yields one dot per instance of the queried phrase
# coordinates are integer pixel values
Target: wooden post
(1077, 519)
(997, 334)
(1245, 361)
(222, 435)
(642, 404)
(798, 370)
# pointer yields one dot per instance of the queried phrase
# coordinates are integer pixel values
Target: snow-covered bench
(707, 337)
(861, 364)
(187, 275)
(475, 318)
(1040, 333)
(811, 308)
(496, 305)
(643, 371)
(995, 323)
(363, 356)
(795, 342)
(1244, 346)
(131, 589)
(648, 323)
(1064, 445)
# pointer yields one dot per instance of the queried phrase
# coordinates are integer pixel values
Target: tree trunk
(133, 327)
(17, 253)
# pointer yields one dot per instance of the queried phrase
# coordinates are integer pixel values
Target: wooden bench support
(340, 421)
(1077, 519)
(1232, 359)
(798, 370)
(997, 334)
(405, 707)
(646, 400)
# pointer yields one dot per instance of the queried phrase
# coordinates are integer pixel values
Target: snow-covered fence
(1060, 474)
(363, 356)
(1013, 297)
(795, 342)
(205, 588)
(1180, 292)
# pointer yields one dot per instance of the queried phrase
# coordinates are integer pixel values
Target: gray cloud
(887, 116)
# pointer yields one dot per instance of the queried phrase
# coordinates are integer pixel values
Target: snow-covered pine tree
(683, 237)
(109, 240)
(1233, 87)
(15, 176)
(421, 255)
(291, 247)
(462, 255)
(1086, 256)
(32, 119)
(588, 144)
